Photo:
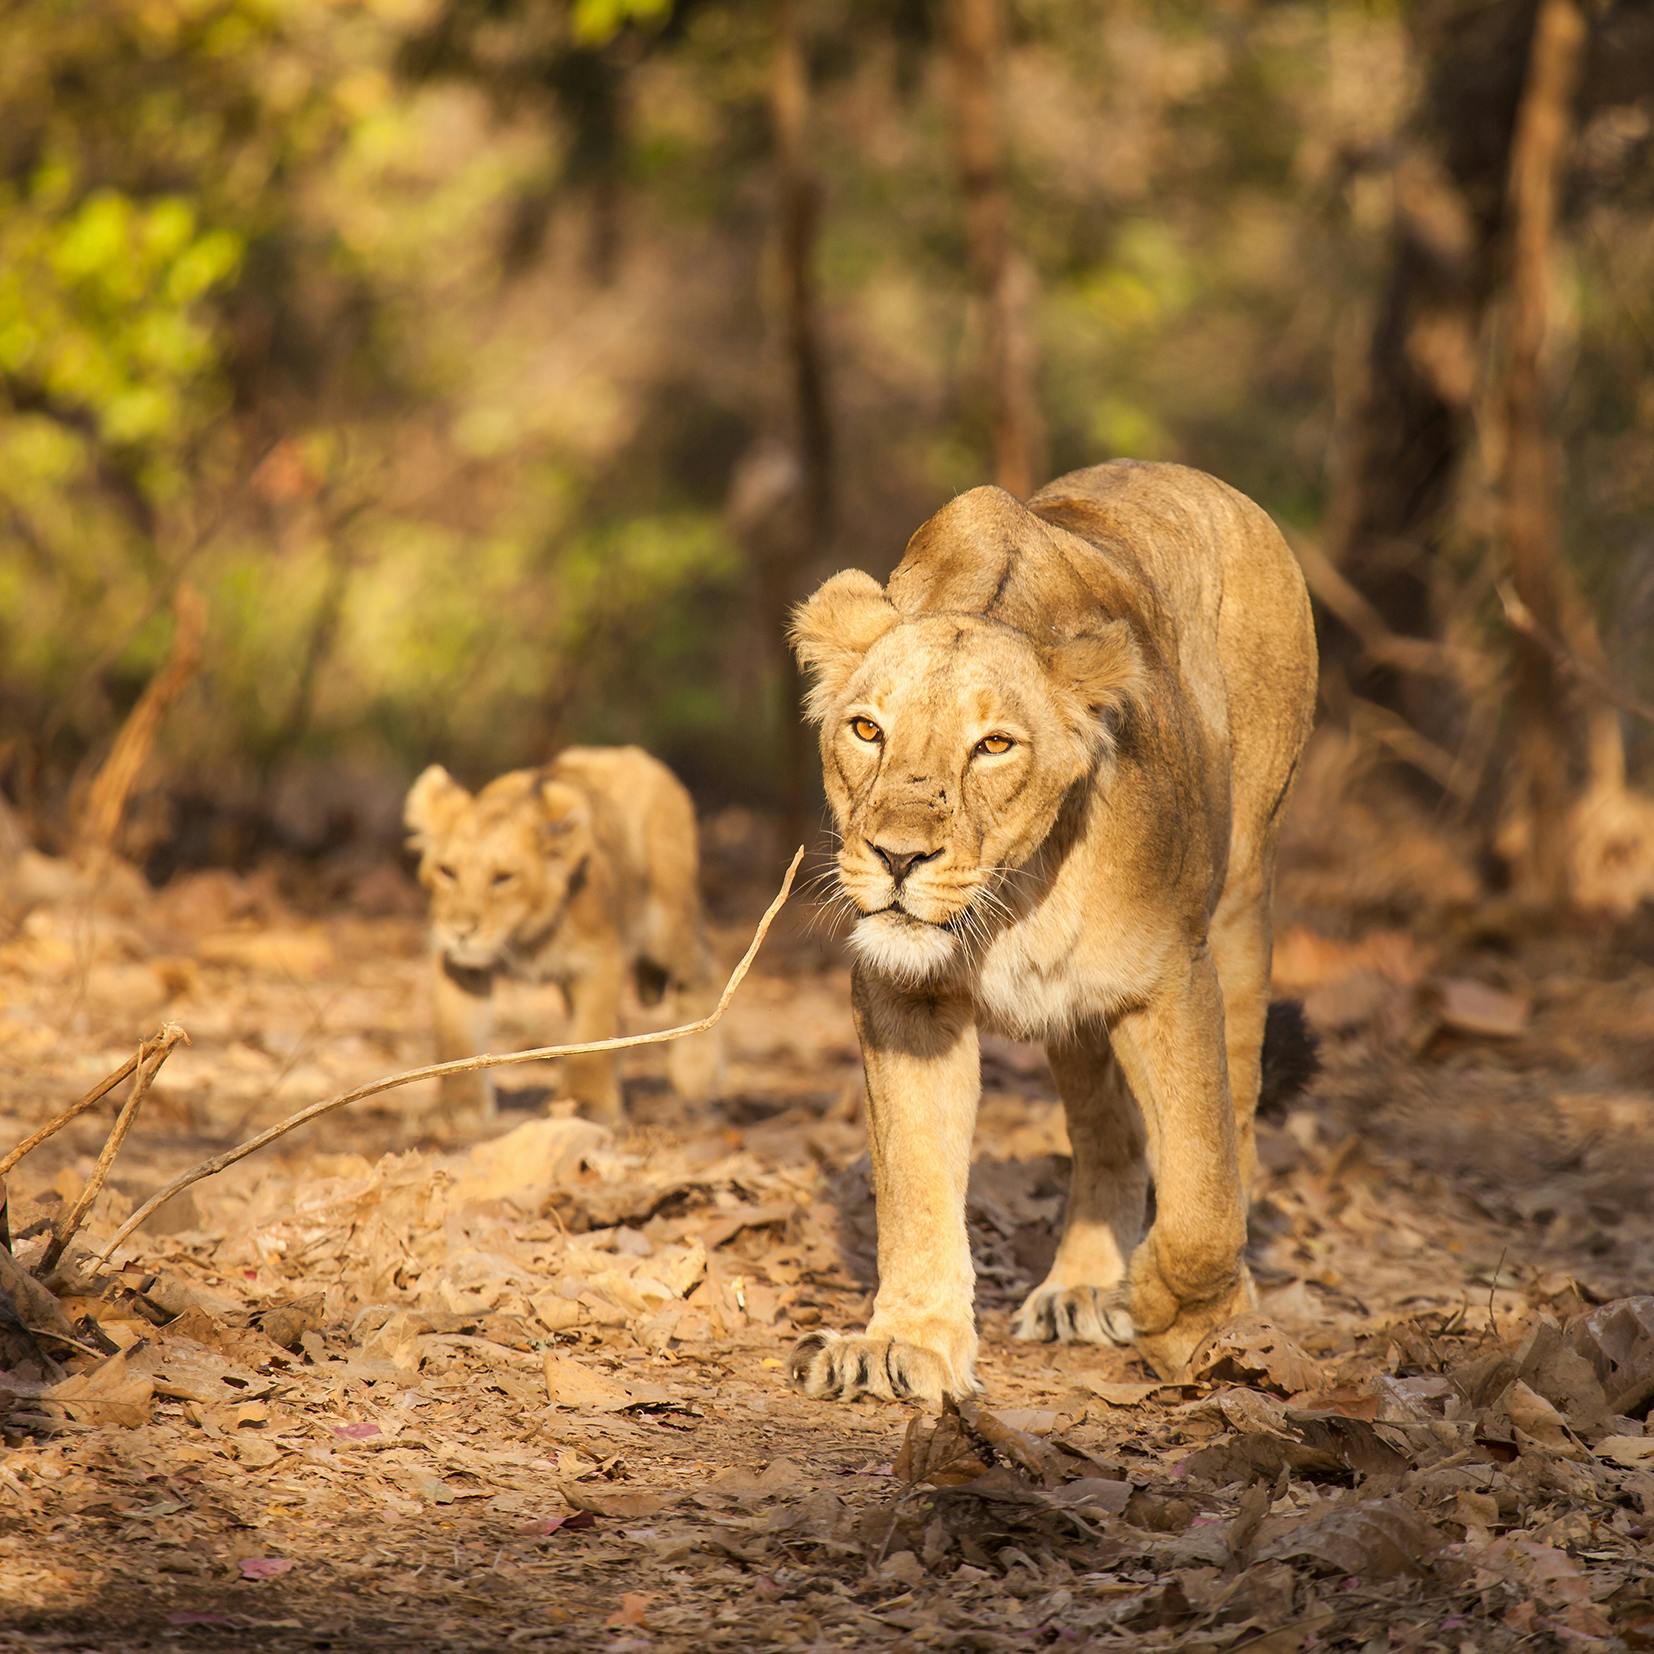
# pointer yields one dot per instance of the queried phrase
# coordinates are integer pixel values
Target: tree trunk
(786, 563)
(1393, 505)
(1543, 782)
(1003, 282)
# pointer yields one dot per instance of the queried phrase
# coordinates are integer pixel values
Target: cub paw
(1074, 1315)
(832, 1366)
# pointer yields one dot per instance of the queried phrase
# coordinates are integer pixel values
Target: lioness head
(948, 743)
(498, 865)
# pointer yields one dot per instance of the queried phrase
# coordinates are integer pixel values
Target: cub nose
(898, 862)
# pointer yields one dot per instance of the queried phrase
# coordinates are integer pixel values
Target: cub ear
(832, 630)
(1103, 668)
(434, 802)
(565, 808)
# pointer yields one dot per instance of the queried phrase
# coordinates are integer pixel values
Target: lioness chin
(1057, 744)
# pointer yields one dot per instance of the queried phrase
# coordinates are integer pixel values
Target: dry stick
(464, 1065)
(151, 1054)
(73, 1111)
(1521, 619)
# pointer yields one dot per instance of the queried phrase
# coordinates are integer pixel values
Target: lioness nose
(900, 861)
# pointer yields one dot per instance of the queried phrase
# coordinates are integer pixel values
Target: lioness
(1057, 744)
(576, 874)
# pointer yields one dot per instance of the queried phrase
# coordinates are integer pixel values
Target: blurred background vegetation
(495, 371)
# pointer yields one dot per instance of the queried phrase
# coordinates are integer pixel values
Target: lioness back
(1237, 595)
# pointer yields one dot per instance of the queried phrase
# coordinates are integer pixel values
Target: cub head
(948, 743)
(498, 865)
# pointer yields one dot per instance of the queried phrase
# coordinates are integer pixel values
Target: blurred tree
(798, 208)
(1004, 283)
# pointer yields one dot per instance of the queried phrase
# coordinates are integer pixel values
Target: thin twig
(463, 1065)
(73, 1111)
(1521, 619)
(152, 1053)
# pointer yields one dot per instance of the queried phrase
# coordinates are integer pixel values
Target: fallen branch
(151, 1054)
(72, 1112)
(462, 1065)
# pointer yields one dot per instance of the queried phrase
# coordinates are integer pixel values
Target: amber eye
(994, 745)
(866, 730)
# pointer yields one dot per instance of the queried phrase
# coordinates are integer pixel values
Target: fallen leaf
(632, 1610)
(264, 1567)
(1469, 1007)
(571, 1384)
(1252, 1350)
(1626, 1450)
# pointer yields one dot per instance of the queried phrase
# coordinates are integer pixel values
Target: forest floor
(380, 1390)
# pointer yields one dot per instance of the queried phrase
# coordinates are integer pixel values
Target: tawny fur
(1141, 636)
(577, 875)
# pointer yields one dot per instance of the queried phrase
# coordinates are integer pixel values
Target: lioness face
(948, 745)
(498, 865)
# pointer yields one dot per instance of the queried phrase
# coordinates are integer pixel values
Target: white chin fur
(900, 948)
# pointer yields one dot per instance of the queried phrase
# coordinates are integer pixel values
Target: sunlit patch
(901, 948)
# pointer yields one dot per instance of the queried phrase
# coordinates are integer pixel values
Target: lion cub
(577, 874)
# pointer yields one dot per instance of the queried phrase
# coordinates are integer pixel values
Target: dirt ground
(379, 1390)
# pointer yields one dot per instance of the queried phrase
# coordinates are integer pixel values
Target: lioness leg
(1189, 1274)
(464, 1026)
(1240, 941)
(1077, 1302)
(594, 1014)
(923, 1084)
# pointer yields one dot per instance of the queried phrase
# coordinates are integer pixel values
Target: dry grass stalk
(106, 798)
(463, 1065)
(151, 1054)
(72, 1112)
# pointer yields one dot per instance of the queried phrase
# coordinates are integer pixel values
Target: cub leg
(923, 1084)
(594, 1014)
(1189, 1275)
(1080, 1300)
(696, 1064)
(464, 1025)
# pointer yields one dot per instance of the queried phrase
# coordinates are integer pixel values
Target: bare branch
(464, 1065)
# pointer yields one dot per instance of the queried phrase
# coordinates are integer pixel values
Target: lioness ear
(1103, 668)
(565, 809)
(832, 630)
(433, 802)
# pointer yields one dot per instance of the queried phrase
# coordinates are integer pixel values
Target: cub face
(948, 745)
(498, 865)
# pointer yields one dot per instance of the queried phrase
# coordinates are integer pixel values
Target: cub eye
(866, 730)
(503, 878)
(444, 871)
(994, 745)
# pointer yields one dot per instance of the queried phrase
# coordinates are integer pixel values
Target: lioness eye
(994, 745)
(866, 730)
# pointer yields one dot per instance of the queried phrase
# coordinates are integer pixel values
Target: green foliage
(425, 339)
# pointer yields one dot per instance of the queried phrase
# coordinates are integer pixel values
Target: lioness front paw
(1053, 1313)
(835, 1366)
(1169, 1329)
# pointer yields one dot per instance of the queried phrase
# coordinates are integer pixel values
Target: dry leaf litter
(373, 1388)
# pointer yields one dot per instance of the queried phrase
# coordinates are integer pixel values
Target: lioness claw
(1073, 1315)
(831, 1366)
